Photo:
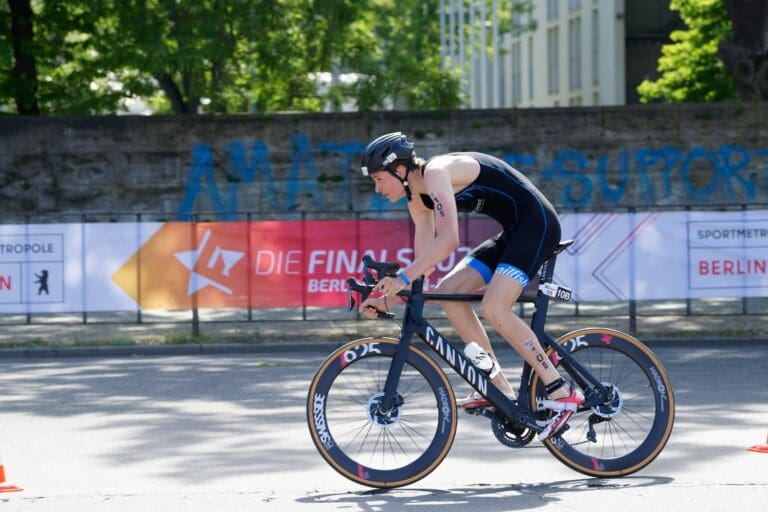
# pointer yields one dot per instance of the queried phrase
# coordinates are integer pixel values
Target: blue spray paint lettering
(201, 179)
(720, 174)
(570, 165)
(348, 152)
(301, 153)
(613, 194)
(241, 170)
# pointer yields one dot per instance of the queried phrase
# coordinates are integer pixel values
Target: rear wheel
(360, 441)
(627, 433)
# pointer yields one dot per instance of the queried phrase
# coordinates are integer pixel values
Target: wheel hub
(381, 418)
(613, 407)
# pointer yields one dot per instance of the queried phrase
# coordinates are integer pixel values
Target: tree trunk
(24, 77)
(745, 54)
(174, 94)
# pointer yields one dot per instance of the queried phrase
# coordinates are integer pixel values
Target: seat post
(548, 269)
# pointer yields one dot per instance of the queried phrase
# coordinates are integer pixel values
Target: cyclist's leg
(497, 308)
(465, 279)
(518, 254)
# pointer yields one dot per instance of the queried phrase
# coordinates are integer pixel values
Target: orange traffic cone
(761, 448)
(6, 488)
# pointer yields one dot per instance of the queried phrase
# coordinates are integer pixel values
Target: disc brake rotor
(613, 407)
(380, 419)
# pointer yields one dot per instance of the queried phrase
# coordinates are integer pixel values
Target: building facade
(558, 52)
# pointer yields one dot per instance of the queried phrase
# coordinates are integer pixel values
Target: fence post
(249, 279)
(632, 301)
(688, 298)
(27, 222)
(358, 217)
(304, 265)
(138, 267)
(744, 299)
(195, 314)
(83, 221)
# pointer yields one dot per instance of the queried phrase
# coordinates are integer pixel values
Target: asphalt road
(227, 432)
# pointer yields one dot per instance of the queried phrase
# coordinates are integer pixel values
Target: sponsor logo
(445, 409)
(659, 386)
(219, 258)
(575, 343)
(321, 428)
(357, 352)
(475, 377)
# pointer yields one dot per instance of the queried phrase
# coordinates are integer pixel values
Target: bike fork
(391, 399)
(414, 308)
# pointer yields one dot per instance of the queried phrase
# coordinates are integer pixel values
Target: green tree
(19, 56)
(689, 66)
(191, 56)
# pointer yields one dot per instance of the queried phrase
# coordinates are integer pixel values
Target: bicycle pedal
(480, 411)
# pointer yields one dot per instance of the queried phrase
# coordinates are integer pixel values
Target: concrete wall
(590, 158)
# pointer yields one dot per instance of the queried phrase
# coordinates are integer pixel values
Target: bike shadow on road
(485, 497)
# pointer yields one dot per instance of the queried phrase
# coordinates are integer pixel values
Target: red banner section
(267, 264)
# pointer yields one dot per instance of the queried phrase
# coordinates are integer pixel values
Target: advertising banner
(274, 264)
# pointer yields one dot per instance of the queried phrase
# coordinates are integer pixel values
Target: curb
(186, 349)
(182, 349)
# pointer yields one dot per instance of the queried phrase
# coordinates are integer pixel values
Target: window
(595, 47)
(517, 82)
(553, 61)
(553, 11)
(574, 5)
(530, 67)
(574, 53)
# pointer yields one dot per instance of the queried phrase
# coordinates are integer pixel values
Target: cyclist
(436, 190)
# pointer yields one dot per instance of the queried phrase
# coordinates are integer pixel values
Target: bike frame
(414, 323)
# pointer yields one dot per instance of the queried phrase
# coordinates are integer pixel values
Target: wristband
(405, 279)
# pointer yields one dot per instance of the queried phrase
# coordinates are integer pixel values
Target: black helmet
(385, 150)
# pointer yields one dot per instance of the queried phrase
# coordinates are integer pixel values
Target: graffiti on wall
(646, 175)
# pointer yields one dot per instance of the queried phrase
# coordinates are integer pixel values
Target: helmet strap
(408, 166)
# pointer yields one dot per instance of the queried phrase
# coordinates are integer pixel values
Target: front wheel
(624, 435)
(363, 443)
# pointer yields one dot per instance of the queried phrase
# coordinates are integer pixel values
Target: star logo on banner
(198, 281)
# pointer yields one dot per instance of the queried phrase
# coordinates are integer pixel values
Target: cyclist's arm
(424, 223)
(437, 230)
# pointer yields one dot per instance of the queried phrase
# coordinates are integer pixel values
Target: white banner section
(49, 268)
(615, 256)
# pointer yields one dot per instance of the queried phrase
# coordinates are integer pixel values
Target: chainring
(510, 433)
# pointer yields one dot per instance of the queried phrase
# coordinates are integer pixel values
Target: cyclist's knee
(490, 312)
(495, 312)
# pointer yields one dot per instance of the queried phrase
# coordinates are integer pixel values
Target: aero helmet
(385, 150)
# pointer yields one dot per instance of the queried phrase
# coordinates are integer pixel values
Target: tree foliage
(689, 66)
(189, 56)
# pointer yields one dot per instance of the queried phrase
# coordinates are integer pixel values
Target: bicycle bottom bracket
(613, 406)
(384, 419)
(510, 433)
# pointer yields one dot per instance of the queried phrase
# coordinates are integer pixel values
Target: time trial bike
(383, 413)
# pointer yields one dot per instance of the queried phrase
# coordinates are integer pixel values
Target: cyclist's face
(387, 185)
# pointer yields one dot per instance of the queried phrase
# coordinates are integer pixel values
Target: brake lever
(353, 285)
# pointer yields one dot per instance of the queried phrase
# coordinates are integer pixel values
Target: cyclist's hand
(372, 306)
(390, 286)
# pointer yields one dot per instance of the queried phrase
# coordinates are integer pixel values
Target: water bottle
(481, 359)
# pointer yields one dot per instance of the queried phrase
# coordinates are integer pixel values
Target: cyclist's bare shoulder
(461, 169)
